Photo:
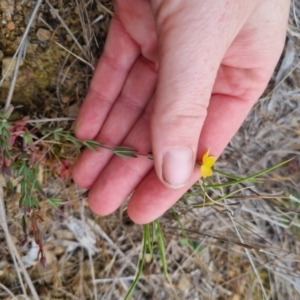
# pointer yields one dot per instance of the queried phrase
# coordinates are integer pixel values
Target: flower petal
(205, 171)
(210, 161)
(205, 156)
(207, 163)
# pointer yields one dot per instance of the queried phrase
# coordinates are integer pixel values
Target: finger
(224, 117)
(119, 54)
(137, 90)
(152, 198)
(140, 24)
(122, 174)
(188, 67)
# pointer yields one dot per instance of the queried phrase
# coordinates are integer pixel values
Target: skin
(174, 74)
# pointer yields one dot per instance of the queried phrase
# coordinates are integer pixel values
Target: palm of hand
(134, 98)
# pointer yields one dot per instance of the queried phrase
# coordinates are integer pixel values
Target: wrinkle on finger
(120, 53)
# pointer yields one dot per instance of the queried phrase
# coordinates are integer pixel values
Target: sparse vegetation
(232, 236)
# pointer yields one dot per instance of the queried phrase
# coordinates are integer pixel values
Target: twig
(14, 253)
(19, 53)
(78, 57)
(45, 120)
(250, 259)
(66, 27)
(7, 291)
(131, 278)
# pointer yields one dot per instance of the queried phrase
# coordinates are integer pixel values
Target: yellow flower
(207, 163)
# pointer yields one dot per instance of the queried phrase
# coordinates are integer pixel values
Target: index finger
(119, 54)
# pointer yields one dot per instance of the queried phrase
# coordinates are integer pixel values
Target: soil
(88, 254)
(49, 79)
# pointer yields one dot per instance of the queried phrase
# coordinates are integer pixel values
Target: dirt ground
(249, 253)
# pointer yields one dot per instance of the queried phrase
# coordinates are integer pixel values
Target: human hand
(178, 75)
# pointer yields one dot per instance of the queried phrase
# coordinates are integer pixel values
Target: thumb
(191, 46)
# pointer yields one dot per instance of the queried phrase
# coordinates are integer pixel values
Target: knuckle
(185, 116)
(130, 102)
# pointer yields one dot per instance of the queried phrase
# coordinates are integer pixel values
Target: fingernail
(178, 165)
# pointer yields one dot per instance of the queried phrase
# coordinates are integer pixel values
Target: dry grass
(91, 257)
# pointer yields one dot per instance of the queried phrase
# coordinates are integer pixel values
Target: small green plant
(5, 143)
(152, 235)
(24, 164)
(153, 232)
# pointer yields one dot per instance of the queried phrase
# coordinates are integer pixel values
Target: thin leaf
(149, 240)
(150, 156)
(27, 138)
(180, 224)
(73, 140)
(56, 136)
(55, 202)
(249, 178)
(124, 151)
(6, 133)
(161, 247)
(57, 130)
(141, 266)
(91, 144)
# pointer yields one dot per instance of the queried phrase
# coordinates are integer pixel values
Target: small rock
(65, 99)
(7, 6)
(43, 34)
(71, 111)
(1, 55)
(11, 9)
(59, 250)
(8, 66)
(11, 26)
(184, 284)
(54, 13)
(69, 38)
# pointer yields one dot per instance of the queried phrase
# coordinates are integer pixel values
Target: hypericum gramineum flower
(207, 163)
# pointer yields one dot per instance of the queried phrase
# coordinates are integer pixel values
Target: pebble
(7, 6)
(71, 111)
(65, 99)
(8, 66)
(11, 26)
(43, 34)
